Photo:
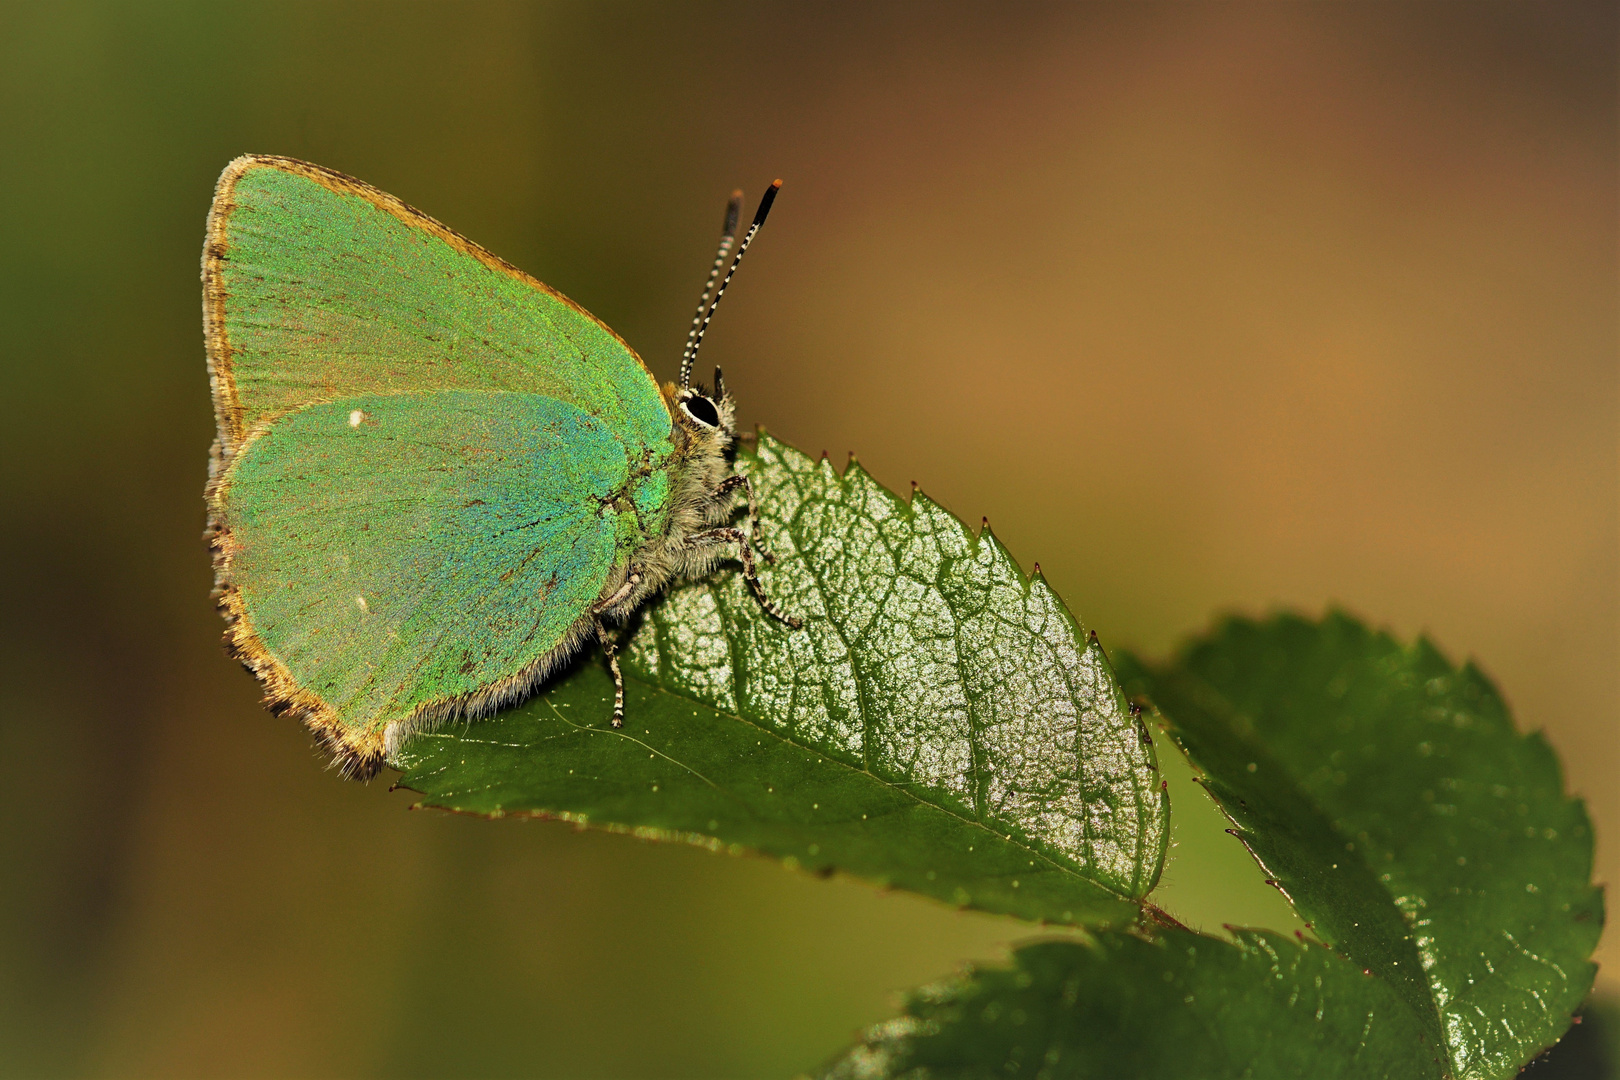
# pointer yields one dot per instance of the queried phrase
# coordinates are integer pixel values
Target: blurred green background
(1205, 306)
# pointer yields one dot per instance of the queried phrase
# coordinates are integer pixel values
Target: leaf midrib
(904, 789)
(1212, 697)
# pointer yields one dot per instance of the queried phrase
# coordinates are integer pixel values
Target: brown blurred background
(1205, 306)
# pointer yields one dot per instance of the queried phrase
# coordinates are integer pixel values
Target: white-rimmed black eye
(701, 409)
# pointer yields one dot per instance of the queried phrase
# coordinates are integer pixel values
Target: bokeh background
(1206, 306)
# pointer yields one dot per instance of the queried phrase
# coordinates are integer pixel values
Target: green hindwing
(408, 553)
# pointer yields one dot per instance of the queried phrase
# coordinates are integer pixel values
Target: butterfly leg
(631, 581)
(732, 483)
(750, 573)
(611, 649)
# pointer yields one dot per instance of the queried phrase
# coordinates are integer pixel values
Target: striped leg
(611, 649)
(750, 574)
(732, 483)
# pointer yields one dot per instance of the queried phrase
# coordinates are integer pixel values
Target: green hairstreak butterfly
(436, 478)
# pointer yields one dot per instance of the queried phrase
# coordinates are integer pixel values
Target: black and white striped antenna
(728, 236)
(705, 311)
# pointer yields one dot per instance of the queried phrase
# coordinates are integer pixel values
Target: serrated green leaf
(1172, 1005)
(941, 723)
(1390, 798)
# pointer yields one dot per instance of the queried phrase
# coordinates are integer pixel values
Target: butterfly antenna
(728, 236)
(701, 326)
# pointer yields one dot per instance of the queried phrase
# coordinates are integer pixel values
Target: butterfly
(436, 479)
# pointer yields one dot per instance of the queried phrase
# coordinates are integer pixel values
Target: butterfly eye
(702, 410)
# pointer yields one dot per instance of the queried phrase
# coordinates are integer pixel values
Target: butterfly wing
(318, 287)
(396, 558)
(440, 552)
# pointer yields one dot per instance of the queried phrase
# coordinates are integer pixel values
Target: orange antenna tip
(765, 204)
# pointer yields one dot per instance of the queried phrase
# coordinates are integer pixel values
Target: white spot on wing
(356, 417)
(360, 602)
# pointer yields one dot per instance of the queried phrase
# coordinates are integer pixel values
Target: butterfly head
(704, 416)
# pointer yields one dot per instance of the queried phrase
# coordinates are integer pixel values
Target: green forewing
(328, 294)
(393, 551)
